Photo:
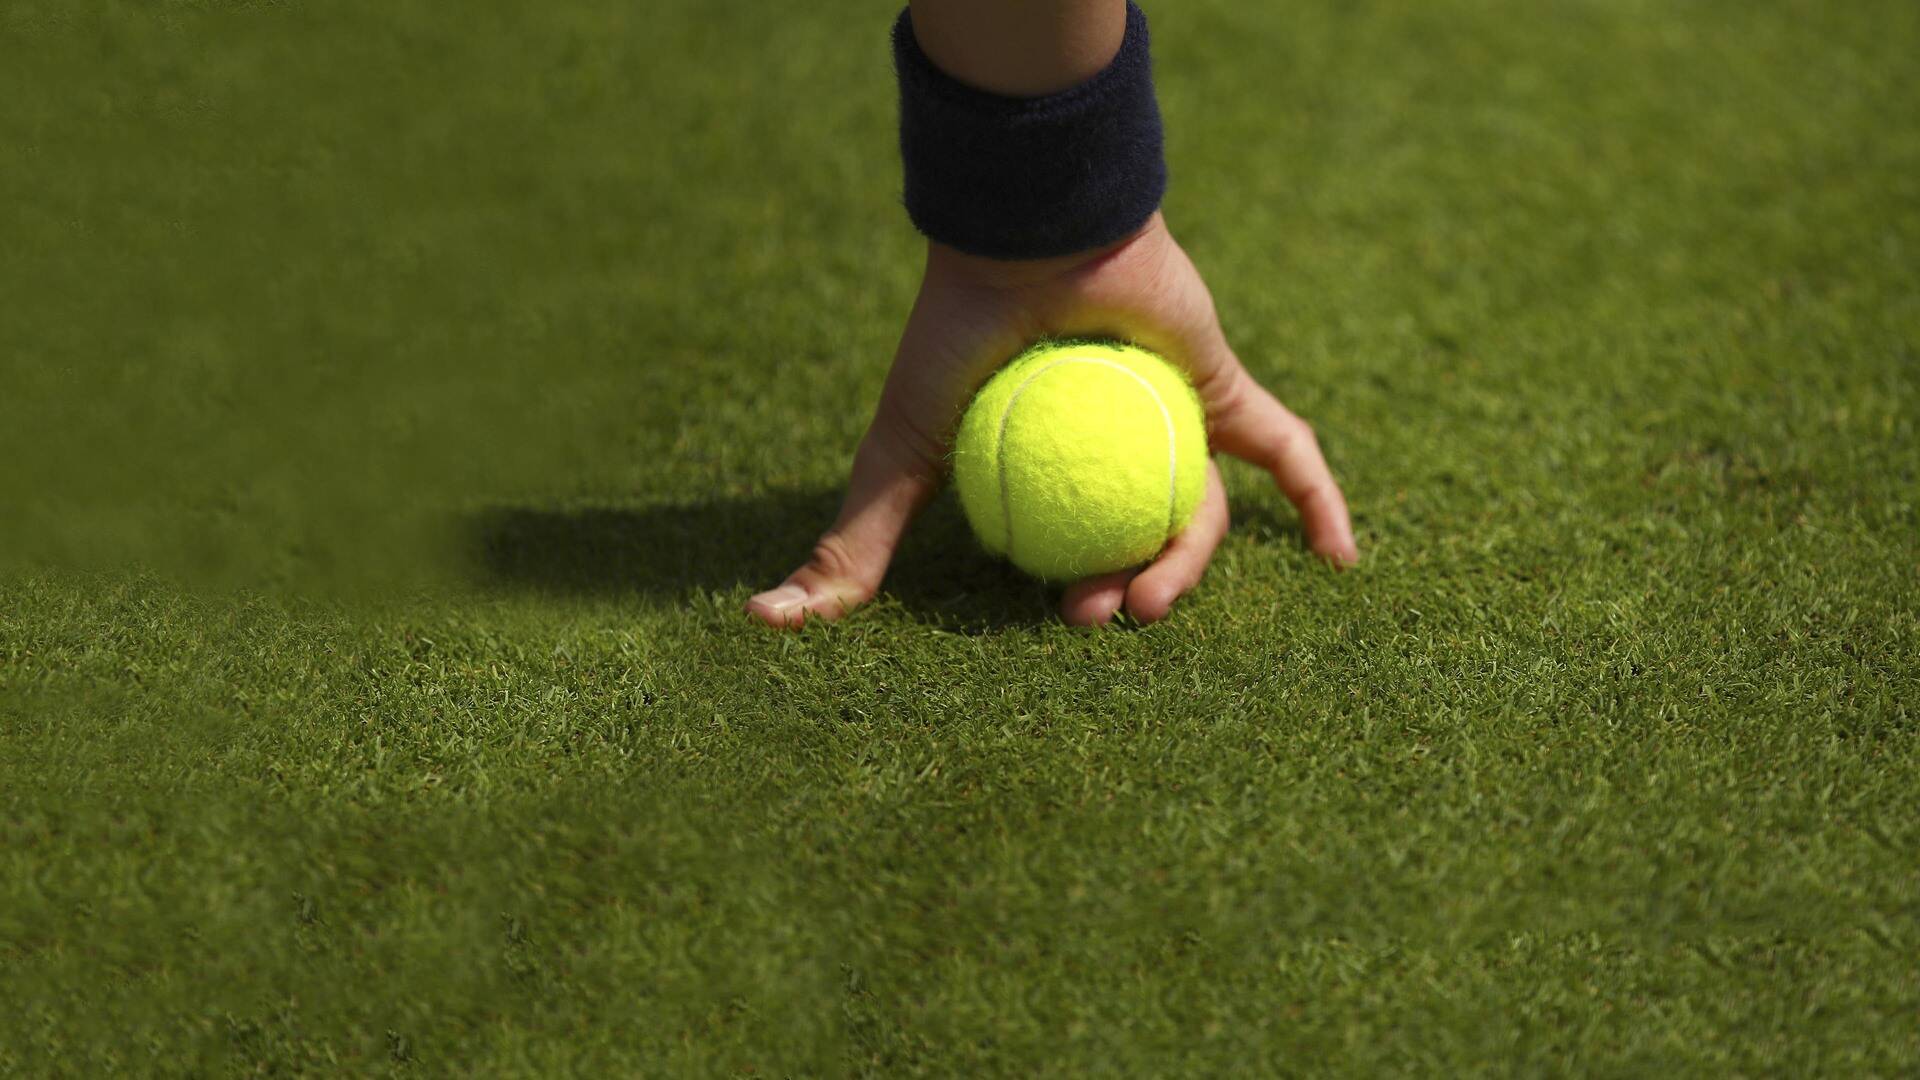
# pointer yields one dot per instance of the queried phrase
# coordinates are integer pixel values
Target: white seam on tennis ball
(1006, 414)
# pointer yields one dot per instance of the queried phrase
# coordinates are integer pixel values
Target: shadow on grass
(1263, 520)
(671, 551)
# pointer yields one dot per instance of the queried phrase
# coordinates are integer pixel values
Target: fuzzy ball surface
(1080, 458)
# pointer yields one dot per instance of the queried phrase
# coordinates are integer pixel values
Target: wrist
(1014, 178)
(946, 261)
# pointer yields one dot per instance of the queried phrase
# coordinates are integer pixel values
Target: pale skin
(972, 314)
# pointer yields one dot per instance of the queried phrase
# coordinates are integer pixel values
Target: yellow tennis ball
(1080, 458)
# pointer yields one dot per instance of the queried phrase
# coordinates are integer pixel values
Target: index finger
(1254, 426)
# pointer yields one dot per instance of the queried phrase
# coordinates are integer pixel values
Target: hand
(973, 315)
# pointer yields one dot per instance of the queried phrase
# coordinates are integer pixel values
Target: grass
(401, 404)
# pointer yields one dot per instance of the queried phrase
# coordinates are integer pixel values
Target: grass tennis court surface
(399, 403)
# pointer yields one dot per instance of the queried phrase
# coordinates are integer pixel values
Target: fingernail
(782, 600)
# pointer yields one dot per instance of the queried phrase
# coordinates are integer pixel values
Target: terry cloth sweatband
(1025, 178)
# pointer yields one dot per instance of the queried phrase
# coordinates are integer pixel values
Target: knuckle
(1152, 602)
(835, 559)
(1290, 436)
(1225, 393)
(1224, 389)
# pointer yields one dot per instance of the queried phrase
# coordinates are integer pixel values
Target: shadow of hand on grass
(672, 551)
(1259, 520)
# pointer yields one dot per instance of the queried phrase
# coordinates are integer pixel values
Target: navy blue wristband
(1027, 178)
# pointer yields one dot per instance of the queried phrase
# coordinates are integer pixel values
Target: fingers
(1151, 594)
(1250, 423)
(1148, 594)
(1095, 601)
(891, 481)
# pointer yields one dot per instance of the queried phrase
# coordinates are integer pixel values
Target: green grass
(400, 401)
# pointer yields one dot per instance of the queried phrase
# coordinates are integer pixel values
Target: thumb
(892, 480)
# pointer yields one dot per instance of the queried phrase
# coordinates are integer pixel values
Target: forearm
(1020, 48)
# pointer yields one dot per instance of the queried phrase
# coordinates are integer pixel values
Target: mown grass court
(399, 402)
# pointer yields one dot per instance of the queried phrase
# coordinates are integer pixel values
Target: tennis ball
(1080, 458)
